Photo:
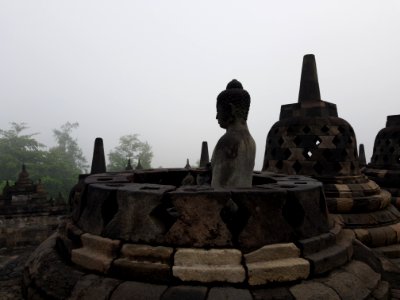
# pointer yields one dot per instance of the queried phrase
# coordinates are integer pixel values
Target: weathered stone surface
(382, 292)
(184, 292)
(228, 293)
(272, 294)
(143, 262)
(192, 228)
(273, 252)
(131, 290)
(391, 251)
(96, 253)
(46, 270)
(282, 270)
(313, 291)
(135, 221)
(98, 207)
(222, 265)
(369, 278)
(366, 255)
(94, 287)
(344, 283)
(212, 257)
(266, 223)
(328, 259)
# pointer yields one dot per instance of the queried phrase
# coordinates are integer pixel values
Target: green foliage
(58, 167)
(130, 147)
(17, 148)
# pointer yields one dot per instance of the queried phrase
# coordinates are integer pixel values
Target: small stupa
(384, 167)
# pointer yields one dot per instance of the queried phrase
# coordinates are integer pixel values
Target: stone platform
(130, 238)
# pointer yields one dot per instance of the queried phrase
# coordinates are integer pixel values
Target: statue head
(232, 104)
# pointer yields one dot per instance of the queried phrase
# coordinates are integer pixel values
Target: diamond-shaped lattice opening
(306, 129)
(317, 141)
(341, 129)
(325, 129)
(327, 154)
(297, 166)
(391, 149)
(165, 214)
(235, 217)
(336, 140)
(281, 141)
(318, 167)
(307, 153)
(287, 154)
(350, 140)
(297, 140)
(279, 164)
(290, 129)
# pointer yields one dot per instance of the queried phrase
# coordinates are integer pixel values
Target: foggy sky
(156, 67)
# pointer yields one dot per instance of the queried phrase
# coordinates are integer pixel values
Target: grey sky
(156, 67)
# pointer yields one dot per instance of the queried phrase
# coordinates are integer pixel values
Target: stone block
(100, 199)
(273, 252)
(220, 293)
(366, 255)
(45, 268)
(96, 253)
(131, 290)
(328, 259)
(266, 222)
(223, 265)
(94, 287)
(192, 228)
(344, 284)
(143, 262)
(184, 292)
(313, 291)
(362, 235)
(382, 292)
(282, 270)
(391, 251)
(136, 220)
(280, 293)
(361, 270)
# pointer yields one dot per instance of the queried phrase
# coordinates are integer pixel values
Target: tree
(64, 162)
(16, 149)
(130, 147)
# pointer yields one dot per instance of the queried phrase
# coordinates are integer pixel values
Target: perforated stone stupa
(310, 139)
(384, 167)
(141, 234)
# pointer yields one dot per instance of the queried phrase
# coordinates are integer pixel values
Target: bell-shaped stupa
(384, 167)
(310, 139)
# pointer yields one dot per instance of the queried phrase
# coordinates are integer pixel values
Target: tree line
(58, 167)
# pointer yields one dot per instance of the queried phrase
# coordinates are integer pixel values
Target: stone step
(391, 251)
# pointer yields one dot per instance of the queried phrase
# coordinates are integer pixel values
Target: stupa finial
(204, 158)
(361, 156)
(128, 165)
(187, 164)
(139, 165)
(99, 160)
(309, 87)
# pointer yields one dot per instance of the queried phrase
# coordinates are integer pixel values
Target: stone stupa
(384, 167)
(141, 234)
(310, 139)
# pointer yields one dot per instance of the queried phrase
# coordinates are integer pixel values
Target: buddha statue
(233, 157)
